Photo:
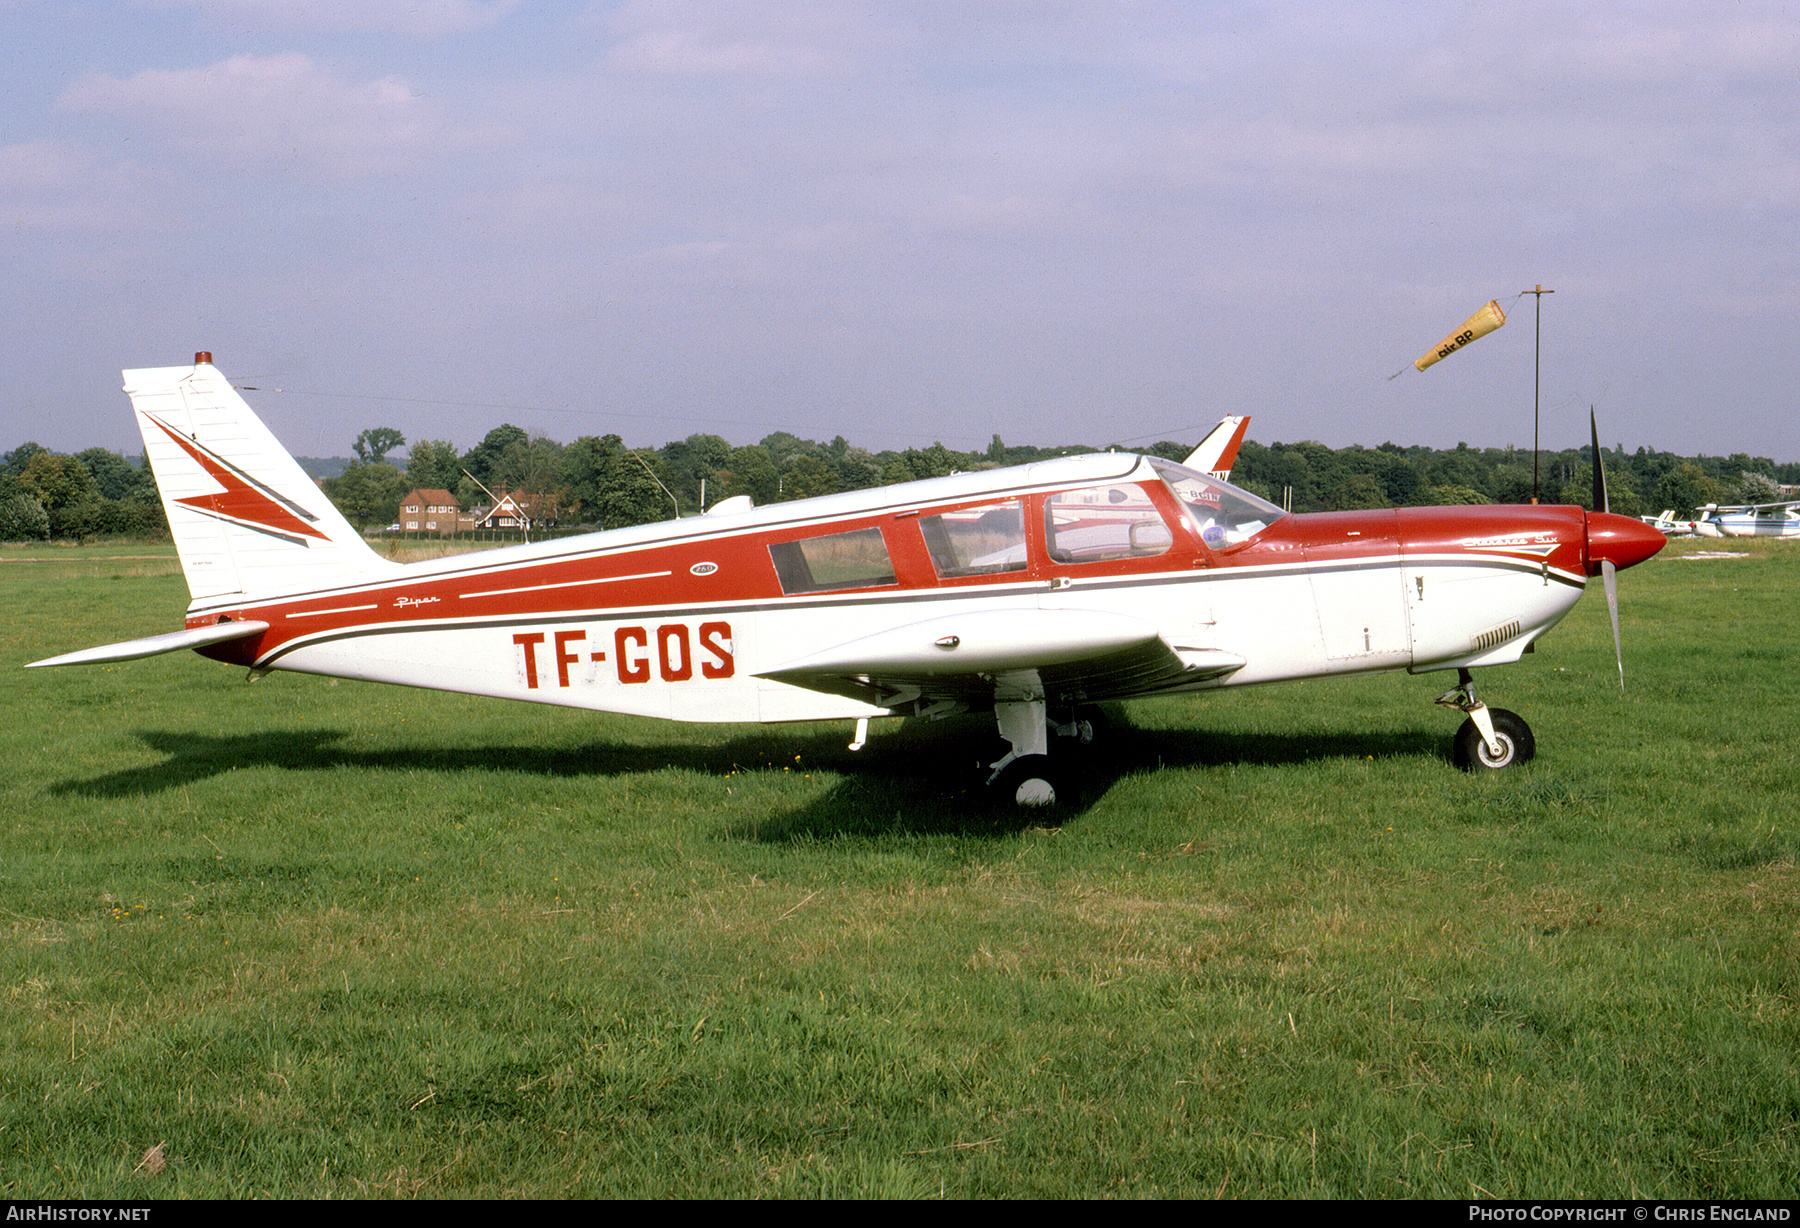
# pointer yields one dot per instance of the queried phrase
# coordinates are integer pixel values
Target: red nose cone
(1620, 540)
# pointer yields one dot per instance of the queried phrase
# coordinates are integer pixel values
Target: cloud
(687, 53)
(47, 186)
(37, 166)
(1692, 45)
(275, 110)
(414, 18)
(680, 38)
(994, 216)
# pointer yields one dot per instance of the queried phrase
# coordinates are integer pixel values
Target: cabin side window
(976, 541)
(1099, 523)
(858, 559)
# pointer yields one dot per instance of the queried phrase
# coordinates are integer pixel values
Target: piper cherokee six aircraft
(1032, 592)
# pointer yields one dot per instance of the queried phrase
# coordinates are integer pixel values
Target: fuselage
(686, 619)
(1784, 522)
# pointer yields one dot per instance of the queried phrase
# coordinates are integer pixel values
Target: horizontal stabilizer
(155, 645)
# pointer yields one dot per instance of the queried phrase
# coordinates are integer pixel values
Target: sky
(908, 222)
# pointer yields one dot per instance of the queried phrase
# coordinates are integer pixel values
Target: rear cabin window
(1100, 523)
(858, 559)
(976, 541)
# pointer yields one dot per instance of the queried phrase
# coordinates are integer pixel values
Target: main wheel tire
(1036, 782)
(1510, 730)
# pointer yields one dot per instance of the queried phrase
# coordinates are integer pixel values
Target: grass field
(320, 940)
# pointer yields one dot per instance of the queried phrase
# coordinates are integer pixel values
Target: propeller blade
(1600, 504)
(1610, 575)
(1609, 572)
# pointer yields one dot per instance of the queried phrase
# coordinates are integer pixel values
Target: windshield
(1224, 514)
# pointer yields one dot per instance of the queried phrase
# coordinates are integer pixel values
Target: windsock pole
(1537, 372)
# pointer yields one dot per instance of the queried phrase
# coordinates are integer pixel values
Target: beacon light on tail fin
(1031, 593)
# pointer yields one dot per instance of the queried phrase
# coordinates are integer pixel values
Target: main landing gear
(1040, 771)
(1491, 737)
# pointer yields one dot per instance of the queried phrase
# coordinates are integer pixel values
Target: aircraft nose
(1620, 540)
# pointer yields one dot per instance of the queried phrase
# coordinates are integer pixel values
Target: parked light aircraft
(1749, 520)
(1032, 592)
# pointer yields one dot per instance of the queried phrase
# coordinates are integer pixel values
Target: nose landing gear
(1491, 738)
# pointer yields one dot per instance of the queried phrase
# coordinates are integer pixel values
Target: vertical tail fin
(246, 518)
(1218, 451)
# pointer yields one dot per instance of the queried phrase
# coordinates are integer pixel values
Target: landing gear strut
(1491, 737)
(1029, 775)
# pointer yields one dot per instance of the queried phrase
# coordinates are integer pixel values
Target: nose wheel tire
(1517, 746)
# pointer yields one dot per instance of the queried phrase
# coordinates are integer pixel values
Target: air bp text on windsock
(1480, 324)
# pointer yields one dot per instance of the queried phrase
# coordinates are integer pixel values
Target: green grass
(323, 940)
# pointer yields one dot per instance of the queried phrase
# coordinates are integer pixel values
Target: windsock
(1480, 324)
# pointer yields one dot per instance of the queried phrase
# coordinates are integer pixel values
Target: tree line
(45, 495)
(1317, 478)
(597, 482)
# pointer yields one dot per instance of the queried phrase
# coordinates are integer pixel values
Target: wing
(965, 658)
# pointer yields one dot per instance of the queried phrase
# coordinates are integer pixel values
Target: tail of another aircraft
(1217, 453)
(246, 518)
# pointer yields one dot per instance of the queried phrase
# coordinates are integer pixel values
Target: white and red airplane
(1668, 526)
(1032, 592)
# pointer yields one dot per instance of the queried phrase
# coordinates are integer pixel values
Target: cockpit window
(1098, 523)
(1222, 513)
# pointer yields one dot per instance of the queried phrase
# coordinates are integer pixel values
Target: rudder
(245, 517)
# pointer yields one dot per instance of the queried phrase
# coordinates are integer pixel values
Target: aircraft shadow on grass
(922, 778)
(926, 781)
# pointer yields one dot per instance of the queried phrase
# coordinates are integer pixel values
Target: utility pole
(1537, 375)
